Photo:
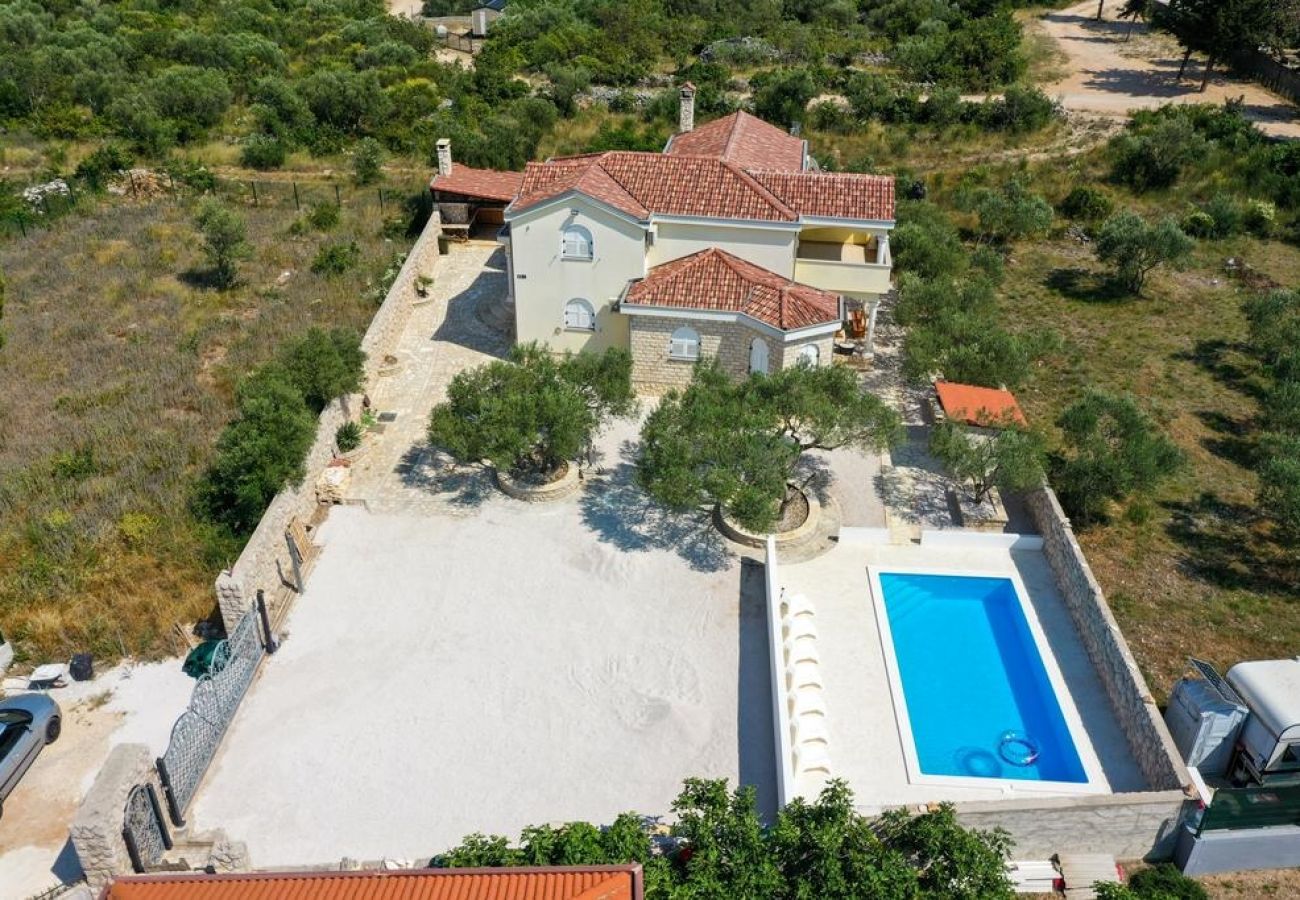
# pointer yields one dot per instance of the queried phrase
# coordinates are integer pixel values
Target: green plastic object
(208, 658)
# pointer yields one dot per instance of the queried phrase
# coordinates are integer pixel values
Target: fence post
(173, 808)
(381, 201)
(253, 185)
(296, 204)
(338, 198)
(137, 862)
(270, 644)
(131, 175)
(163, 830)
(22, 224)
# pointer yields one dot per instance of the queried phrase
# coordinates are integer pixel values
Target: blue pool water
(971, 673)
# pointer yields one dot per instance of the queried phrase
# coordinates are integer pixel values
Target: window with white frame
(579, 316)
(576, 243)
(685, 344)
(808, 355)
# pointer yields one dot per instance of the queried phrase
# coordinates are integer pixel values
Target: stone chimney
(686, 111)
(444, 156)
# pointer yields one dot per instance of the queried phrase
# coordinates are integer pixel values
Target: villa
(731, 243)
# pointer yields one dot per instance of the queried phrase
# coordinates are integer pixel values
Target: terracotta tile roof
(743, 139)
(555, 883)
(836, 195)
(644, 183)
(718, 281)
(978, 405)
(488, 184)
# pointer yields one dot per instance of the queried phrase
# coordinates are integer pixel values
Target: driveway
(1111, 76)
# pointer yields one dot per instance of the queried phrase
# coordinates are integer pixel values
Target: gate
(143, 829)
(197, 733)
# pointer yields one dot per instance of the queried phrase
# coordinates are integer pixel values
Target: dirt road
(1112, 76)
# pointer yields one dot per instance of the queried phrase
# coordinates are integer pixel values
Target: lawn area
(116, 378)
(1193, 571)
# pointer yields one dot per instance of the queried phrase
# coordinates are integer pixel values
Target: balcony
(841, 267)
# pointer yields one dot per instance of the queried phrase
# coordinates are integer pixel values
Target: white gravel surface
(521, 664)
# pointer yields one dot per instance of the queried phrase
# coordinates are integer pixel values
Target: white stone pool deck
(866, 745)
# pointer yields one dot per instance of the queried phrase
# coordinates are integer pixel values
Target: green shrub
(261, 151)
(1165, 882)
(366, 160)
(324, 216)
(323, 365)
(334, 259)
(95, 169)
(1198, 223)
(1087, 204)
(348, 437)
(1226, 213)
(1259, 218)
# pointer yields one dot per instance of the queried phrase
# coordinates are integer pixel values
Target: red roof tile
(644, 183)
(836, 195)
(718, 281)
(743, 139)
(555, 883)
(978, 405)
(488, 184)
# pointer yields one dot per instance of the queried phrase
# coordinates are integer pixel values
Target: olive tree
(225, 240)
(736, 444)
(1111, 449)
(324, 365)
(1135, 248)
(1011, 459)
(533, 412)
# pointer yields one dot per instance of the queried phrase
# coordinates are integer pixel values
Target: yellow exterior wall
(770, 248)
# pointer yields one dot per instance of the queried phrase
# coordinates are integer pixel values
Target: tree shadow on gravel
(434, 472)
(622, 514)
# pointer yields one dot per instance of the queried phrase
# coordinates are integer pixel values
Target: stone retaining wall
(264, 562)
(1135, 708)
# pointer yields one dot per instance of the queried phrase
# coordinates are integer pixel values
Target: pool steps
(810, 737)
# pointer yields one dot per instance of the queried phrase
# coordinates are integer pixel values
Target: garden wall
(1136, 709)
(264, 563)
(780, 713)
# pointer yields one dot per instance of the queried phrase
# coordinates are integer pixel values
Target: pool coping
(1096, 781)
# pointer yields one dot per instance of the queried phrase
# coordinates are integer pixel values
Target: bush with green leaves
(225, 240)
(1152, 154)
(1226, 213)
(324, 365)
(926, 243)
(1259, 217)
(1087, 204)
(1273, 319)
(533, 412)
(262, 151)
(1110, 451)
(822, 848)
(367, 157)
(1011, 459)
(736, 444)
(347, 437)
(1011, 212)
(104, 162)
(335, 258)
(1160, 882)
(1279, 481)
(324, 216)
(1198, 223)
(1134, 248)
(257, 454)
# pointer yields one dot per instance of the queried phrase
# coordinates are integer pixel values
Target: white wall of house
(769, 247)
(545, 281)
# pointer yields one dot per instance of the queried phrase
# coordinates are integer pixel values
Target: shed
(483, 15)
(978, 406)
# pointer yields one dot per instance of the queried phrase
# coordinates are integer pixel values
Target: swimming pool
(976, 690)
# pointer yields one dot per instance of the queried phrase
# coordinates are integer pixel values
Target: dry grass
(116, 379)
(1193, 572)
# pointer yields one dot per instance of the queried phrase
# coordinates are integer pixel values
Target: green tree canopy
(736, 444)
(1111, 449)
(1011, 459)
(531, 413)
(324, 365)
(1135, 248)
(1274, 320)
(1009, 213)
(224, 240)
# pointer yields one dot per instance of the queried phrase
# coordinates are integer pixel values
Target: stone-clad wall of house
(654, 372)
(1148, 738)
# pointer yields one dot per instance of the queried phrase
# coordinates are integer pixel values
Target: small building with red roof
(731, 243)
(980, 407)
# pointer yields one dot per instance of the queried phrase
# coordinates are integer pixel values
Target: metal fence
(197, 733)
(143, 830)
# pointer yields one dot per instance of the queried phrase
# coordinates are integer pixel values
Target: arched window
(758, 356)
(685, 344)
(808, 355)
(579, 316)
(576, 243)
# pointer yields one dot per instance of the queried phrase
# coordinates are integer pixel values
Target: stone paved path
(398, 471)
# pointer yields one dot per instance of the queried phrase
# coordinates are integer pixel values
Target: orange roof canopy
(979, 406)
(525, 883)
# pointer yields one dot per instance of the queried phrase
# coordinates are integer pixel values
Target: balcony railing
(842, 277)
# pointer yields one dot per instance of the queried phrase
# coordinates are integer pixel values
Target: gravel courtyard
(520, 664)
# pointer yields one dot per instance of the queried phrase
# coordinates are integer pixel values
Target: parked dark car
(28, 723)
